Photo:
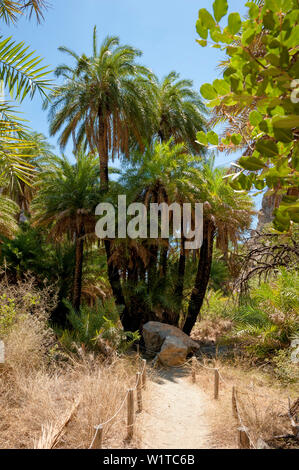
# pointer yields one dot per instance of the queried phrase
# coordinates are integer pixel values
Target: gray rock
(170, 343)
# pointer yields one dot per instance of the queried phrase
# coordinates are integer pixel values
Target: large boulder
(169, 343)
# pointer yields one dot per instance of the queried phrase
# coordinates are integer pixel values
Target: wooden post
(138, 350)
(98, 440)
(216, 385)
(139, 391)
(243, 438)
(234, 403)
(193, 369)
(130, 419)
(2, 354)
(144, 374)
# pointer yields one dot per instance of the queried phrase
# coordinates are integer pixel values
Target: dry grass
(263, 403)
(38, 392)
(34, 405)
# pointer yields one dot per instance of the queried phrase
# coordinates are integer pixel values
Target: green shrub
(90, 323)
(7, 315)
(285, 370)
(268, 318)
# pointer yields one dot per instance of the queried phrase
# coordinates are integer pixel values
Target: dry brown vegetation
(263, 403)
(40, 384)
(33, 405)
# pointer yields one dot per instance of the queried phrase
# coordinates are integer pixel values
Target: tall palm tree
(65, 202)
(105, 101)
(227, 214)
(180, 111)
(163, 174)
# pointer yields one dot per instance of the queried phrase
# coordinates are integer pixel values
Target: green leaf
(212, 138)
(234, 23)
(201, 42)
(267, 148)
(220, 8)
(221, 86)
(286, 122)
(283, 135)
(208, 91)
(259, 184)
(251, 163)
(253, 10)
(202, 138)
(206, 18)
(282, 220)
(255, 118)
(236, 139)
(202, 31)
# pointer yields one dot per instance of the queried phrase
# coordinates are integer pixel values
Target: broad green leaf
(212, 138)
(202, 138)
(282, 220)
(208, 91)
(283, 135)
(221, 86)
(255, 118)
(206, 18)
(259, 184)
(253, 10)
(267, 147)
(234, 23)
(251, 163)
(236, 139)
(286, 122)
(202, 31)
(201, 42)
(220, 8)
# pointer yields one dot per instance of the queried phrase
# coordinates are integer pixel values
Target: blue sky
(163, 29)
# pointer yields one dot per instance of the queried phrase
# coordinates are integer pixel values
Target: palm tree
(11, 10)
(105, 101)
(65, 201)
(180, 111)
(163, 174)
(33, 151)
(8, 211)
(227, 214)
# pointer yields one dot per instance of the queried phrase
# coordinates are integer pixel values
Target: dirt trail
(175, 416)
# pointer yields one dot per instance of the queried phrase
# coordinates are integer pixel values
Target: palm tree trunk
(202, 276)
(77, 288)
(163, 260)
(104, 157)
(113, 273)
(152, 268)
(181, 277)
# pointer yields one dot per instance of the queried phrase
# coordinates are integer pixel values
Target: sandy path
(174, 416)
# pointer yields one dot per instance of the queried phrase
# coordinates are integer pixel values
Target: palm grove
(111, 107)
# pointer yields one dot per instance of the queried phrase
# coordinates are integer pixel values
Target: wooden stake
(130, 419)
(2, 354)
(216, 385)
(138, 350)
(144, 374)
(243, 438)
(98, 440)
(193, 369)
(139, 391)
(234, 403)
